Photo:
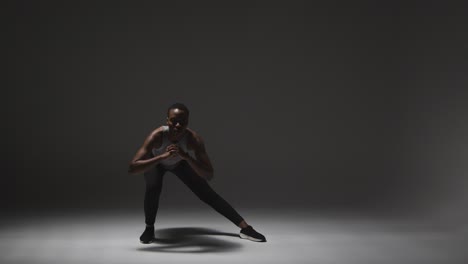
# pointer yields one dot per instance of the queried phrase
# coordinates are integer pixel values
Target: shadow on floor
(191, 240)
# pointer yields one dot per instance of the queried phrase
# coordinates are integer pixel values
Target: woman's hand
(175, 150)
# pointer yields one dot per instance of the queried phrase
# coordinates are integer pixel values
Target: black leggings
(198, 185)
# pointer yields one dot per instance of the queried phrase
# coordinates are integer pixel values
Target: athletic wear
(148, 235)
(198, 185)
(170, 162)
(250, 234)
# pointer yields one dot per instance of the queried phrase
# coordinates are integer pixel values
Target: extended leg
(201, 188)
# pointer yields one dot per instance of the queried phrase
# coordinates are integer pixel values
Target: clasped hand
(174, 150)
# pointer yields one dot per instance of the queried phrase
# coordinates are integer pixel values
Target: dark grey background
(340, 106)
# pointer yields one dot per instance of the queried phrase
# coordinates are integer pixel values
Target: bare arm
(143, 159)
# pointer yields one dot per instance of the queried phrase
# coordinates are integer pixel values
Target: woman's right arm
(143, 159)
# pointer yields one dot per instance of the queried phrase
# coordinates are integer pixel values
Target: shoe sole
(244, 236)
(149, 242)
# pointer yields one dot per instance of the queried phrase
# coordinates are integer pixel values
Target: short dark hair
(178, 106)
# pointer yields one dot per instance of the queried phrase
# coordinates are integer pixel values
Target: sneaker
(250, 234)
(148, 235)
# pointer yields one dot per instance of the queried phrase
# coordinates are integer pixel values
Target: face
(177, 120)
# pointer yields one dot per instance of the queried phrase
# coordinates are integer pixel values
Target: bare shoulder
(158, 131)
(194, 139)
(155, 137)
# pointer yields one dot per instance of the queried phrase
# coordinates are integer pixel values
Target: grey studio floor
(203, 236)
